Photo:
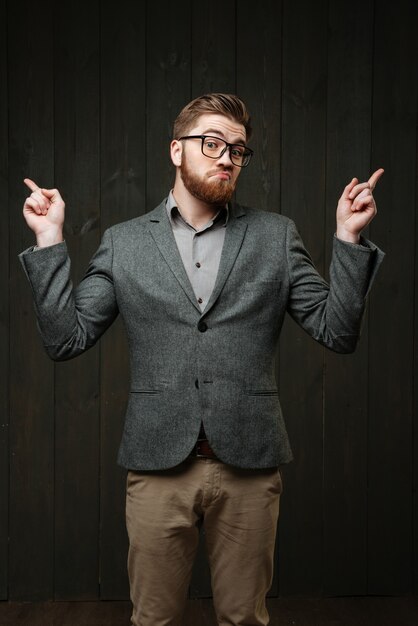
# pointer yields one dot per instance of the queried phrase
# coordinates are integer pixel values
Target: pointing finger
(375, 177)
(31, 184)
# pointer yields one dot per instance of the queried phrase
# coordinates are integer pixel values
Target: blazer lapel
(234, 236)
(162, 233)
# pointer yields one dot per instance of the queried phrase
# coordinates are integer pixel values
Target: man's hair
(221, 103)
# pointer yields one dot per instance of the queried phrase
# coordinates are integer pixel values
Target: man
(202, 285)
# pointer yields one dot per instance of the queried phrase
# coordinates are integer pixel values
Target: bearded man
(202, 285)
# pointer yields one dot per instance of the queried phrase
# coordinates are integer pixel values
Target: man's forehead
(212, 123)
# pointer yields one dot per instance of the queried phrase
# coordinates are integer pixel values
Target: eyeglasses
(214, 148)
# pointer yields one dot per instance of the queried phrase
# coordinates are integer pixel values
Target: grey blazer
(187, 366)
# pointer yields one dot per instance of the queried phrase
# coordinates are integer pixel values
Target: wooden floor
(361, 611)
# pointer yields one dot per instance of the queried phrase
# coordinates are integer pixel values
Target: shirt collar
(173, 211)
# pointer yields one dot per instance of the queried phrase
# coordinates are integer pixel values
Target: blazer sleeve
(71, 320)
(331, 313)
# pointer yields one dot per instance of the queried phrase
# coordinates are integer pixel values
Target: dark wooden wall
(89, 92)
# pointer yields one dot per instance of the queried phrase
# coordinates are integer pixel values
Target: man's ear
(176, 151)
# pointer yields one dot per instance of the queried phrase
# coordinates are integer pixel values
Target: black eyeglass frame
(248, 153)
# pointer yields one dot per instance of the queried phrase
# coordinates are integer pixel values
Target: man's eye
(211, 145)
(238, 152)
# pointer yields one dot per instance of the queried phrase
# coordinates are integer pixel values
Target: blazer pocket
(147, 392)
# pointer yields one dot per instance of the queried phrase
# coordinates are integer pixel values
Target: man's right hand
(44, 213)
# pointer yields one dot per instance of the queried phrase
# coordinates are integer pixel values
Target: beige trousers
(239, 509)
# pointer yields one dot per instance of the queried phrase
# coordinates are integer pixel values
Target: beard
(213, 191)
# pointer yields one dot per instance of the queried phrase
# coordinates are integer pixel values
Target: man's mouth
(223, 175)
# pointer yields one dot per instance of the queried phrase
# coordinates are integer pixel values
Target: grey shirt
(200, 250)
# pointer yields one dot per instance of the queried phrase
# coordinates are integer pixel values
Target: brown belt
(203, 450)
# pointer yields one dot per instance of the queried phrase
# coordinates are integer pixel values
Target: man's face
(211, 180)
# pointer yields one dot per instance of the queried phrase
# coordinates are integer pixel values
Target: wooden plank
(350, 54)
(213, 47)
(415, 393)
(4, 314)
(259, 85)
(414, 62)
(31, 372)
(391, 307)
(123, 192)
(77, 432)
(301, 360)
(168, 89)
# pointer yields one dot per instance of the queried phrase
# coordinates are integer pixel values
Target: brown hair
(222, 103)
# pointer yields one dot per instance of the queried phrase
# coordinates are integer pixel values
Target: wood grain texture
(31, 154)
(415, 406)
(89, 107)
(168, 88)
(390, 468)
(350, 81)
(259, 75)
(123, 196)
(213, 47)
(4, 313)
(303, 158)
(77, 431)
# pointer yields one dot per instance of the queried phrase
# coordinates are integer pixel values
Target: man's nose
(225, 158)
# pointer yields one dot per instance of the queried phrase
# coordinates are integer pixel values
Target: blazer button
(202, 326)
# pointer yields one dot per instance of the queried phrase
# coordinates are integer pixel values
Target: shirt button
(200, 300)
(197, 264)
(202, 326)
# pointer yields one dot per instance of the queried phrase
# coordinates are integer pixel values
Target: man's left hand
(356, 208)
